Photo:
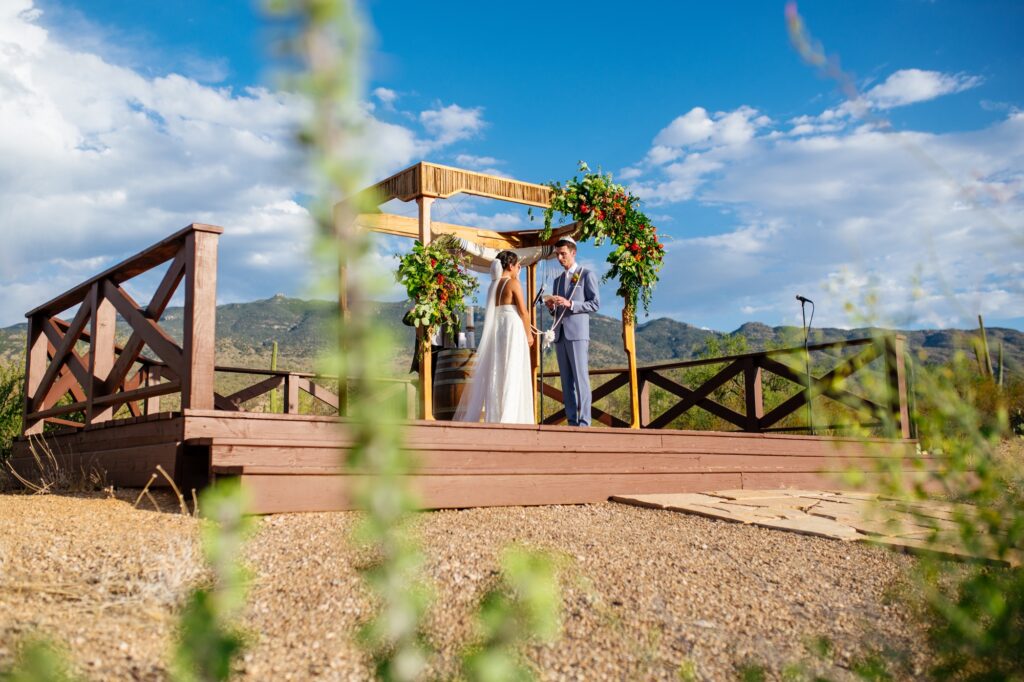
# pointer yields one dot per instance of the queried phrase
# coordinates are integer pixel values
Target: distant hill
(246, 332)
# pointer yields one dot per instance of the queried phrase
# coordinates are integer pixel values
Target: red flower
(635, 247)
(433, 262)
(584, 208)
(600, 215)
(440, 279)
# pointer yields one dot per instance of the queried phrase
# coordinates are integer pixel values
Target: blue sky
(768, 179)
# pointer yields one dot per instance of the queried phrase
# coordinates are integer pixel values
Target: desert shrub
(12, 377)
(974, 611)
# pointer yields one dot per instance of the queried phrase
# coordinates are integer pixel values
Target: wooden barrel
(454, 372)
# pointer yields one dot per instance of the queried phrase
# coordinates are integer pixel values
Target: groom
(575, 297)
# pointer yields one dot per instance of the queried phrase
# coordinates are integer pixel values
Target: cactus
(986, 357)
(1000, 364)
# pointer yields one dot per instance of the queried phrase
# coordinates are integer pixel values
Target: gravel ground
(646, 593)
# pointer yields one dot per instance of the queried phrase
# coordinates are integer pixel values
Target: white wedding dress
(500, 389)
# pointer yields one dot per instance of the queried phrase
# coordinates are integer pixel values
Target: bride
(500, 387)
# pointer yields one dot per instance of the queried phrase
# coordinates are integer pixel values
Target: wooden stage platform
(95, 402)
(293, 462)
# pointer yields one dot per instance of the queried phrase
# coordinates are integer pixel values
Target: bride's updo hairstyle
(507, 259)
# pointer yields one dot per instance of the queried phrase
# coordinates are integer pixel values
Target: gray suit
(572, 343)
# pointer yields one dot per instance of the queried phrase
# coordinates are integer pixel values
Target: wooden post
(645, 401)
(426, 375)
(752, 394)
(291, 394)
(424, 205)
(531, 293)
(101, 354)
(895, 364)
(629, 344)
(35, 368)
(152, 378)
(199, 342)
(426, 371)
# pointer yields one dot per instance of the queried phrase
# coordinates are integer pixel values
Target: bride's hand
(530, 340)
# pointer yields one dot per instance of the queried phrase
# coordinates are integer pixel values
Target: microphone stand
(540, 355)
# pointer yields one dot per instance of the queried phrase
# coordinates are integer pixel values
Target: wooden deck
(80, 380)
(292, 463)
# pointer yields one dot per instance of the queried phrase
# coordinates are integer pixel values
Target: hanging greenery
(437, 281)
(606, 210)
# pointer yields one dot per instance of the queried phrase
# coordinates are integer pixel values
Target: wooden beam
(35, 368)
(434, 180)
(157, 305)
(405, 226)
(101, 354)
(199, 341)
(61, 356)
(426, 370)
(629, 345)
(291, 395)
(318, 392)
(895, 364)
(152, 333)
(256, 390)
(752, 393)
(152, 378)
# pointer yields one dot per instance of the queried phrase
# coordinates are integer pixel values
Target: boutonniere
(576, 276)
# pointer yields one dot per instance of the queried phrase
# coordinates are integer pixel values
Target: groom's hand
(560, 300)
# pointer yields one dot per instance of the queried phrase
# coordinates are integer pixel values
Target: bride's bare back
(510, 292)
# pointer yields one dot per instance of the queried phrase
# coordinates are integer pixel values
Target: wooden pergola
(426, 182)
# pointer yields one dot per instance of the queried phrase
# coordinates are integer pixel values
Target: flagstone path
(849, 516)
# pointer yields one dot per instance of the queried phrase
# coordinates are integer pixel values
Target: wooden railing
(752, 367)
(100, 381)
(312, 385)
(61, 380)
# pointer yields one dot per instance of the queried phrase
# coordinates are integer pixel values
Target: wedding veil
(471, 404)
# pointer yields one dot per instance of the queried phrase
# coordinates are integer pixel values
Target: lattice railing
(76, 368)
(837, 384)
(107, 376)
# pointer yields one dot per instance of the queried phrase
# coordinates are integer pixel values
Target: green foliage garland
(606, 210)
(437, 281)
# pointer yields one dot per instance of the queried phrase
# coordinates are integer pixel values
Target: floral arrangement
(605, 210)
(437, 281)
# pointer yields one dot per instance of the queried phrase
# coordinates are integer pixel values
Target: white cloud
(452, 123)
(386, 96)
(98, 161)
(692, 127)
(914, 85)
(697, 129)
(934, 223)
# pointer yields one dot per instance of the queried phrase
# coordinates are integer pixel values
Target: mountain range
(246, 333)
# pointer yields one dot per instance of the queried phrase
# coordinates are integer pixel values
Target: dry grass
(55, 471)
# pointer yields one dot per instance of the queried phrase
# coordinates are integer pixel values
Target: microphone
(540, 292)
(803, 299)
